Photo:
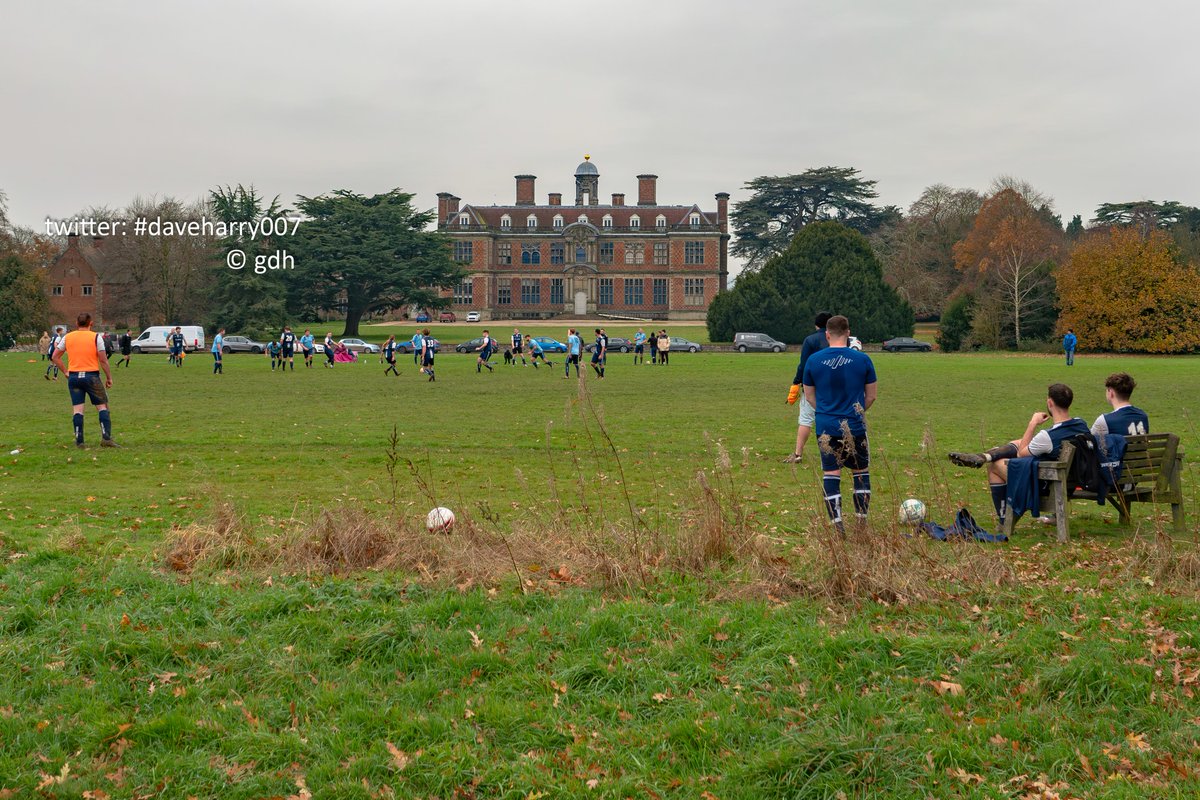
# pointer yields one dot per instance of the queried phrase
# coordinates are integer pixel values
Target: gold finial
(587, 157)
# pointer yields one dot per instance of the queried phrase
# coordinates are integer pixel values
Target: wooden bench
(1152, 474)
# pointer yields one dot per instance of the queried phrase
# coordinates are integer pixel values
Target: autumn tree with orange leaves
(1012, 246)
(1124, 291)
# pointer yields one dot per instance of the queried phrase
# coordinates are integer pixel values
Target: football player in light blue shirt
(574, 348)
(306, 344)
(218, 342)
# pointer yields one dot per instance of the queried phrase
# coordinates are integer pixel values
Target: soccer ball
(912, 511)
(855, 344)
(439, 520)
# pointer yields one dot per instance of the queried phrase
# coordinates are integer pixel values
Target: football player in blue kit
(840, 385)
(1125, 418)
(176, 342)
(518, 348)
(287, 341)
(574, 348)
(427, 354)
(1044, 445)
(486, 348)
(600, 352)
(306, 344)
(389, 355)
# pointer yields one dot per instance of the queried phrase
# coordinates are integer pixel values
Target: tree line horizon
(997, 268)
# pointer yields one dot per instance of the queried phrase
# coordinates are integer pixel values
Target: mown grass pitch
(120, 677)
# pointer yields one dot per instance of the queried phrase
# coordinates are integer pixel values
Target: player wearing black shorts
(427, 353)
(389, 355)
(485, 352)
(176, 341)
(600, 352)
(518, 349)
(287, 341)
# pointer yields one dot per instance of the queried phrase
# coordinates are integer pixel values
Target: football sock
(105, 425)
(77, 421)
(1003, 451)
(862, 493)
(833, 497)
(999, 499)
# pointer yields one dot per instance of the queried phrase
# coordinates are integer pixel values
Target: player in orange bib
(85, 359)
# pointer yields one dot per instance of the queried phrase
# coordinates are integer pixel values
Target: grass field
(1023, 670)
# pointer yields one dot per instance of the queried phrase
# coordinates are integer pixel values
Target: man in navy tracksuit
(815, 342)
(1044, 444)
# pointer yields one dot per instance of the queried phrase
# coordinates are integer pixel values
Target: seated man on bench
(1125, 419)
(1044, 445)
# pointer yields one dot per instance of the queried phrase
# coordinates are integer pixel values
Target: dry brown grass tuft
(220, 543)
(888, 564)
(1171, 563)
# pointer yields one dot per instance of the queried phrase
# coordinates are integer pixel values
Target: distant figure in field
(1069, 342)
(389, 355)
(176, 343)
(54, 343)
(664, 347)
(536, 352)
(274, 349)
(125, 345)
(574, 348)
(639, 347)
(485, 349)
(287, 341)
(44, 344)
(218, 343)
(306, 344)
(518, 348)
(329, 354)
(427, 354)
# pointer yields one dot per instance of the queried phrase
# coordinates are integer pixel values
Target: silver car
(241, 344)
(359, 346)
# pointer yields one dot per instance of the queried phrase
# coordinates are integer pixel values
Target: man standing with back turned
(840, 384)
(85, 359)
(816, 341)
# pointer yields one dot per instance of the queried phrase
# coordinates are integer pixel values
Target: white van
(154, 338)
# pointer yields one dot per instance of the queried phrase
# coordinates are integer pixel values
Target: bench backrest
(1150, 459)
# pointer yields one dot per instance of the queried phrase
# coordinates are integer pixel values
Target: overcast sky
(1088, 101)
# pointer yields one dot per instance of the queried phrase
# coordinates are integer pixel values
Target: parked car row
(762, 343)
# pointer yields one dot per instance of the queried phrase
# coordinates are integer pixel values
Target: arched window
(635, 221)
(506, 221)
(660, 221)
(606, 221)
(531, 222)
(694, 220)
(558, 220)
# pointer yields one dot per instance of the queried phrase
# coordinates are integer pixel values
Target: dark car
(679, 344)
(472, 345)
(550, 344)
(902, 343)
(241, 344)
(615, 344)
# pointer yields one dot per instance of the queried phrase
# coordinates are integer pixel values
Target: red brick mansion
(648, 260)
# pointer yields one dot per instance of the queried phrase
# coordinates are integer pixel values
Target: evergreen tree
(956, 323)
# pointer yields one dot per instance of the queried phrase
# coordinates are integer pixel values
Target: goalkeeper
(815, 342)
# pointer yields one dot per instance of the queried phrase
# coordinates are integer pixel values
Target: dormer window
(635, 221)
(464, 219)
(506, 222)
(607, 221)
(531, 222)
(558, 221)
(583, 219)
(660, 221)
(694, 221)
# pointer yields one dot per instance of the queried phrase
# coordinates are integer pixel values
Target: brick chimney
(647, 190)
(618, 199)
(443, 207)
(556, 198)
(72, 241)
(723, 211)
(525, 190)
